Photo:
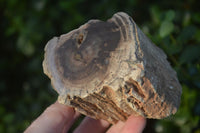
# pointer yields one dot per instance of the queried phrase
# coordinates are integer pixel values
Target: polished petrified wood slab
(110, 70)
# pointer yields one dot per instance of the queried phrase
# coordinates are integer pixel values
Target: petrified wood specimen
(110, 70)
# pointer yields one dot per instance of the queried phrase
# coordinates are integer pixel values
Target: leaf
(186, 19)
(197, 36)
(170, 15)
(190, 54)
(196, 17)
(8, 118)
(155, 14)
(173, 49)
(187, 33)
(166, 28)
(25, 46)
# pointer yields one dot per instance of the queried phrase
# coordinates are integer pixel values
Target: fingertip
(116, 128)
(57, 117)
(64, 115)
(90, 125)
(134, 123)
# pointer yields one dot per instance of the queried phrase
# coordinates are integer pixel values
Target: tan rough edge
(110, 70)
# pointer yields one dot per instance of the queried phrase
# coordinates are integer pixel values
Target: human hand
(58, 118)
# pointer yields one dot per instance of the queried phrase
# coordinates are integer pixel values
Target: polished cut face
(88, 50)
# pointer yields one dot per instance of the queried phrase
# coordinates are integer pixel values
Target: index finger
(134, 124)
(56, 118)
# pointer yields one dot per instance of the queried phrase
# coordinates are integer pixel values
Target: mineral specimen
(110, 70)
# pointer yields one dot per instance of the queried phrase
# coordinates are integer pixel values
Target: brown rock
(110, 70)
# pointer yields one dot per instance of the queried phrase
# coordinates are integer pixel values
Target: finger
(90, 125)
(134, 124)
(116, 128)
(56, 118)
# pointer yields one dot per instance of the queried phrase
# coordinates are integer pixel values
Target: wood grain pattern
(110, 70)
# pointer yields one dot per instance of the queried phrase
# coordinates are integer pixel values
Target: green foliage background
(27, 25)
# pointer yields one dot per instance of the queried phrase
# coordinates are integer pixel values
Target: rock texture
(110, 70)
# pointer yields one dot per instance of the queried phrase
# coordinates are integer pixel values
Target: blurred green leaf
(165, 127)
(196, 17)
(2, 111)
(166, 28)
(8, 118)
(190, 53)
(170, 15)
(2, 128)
(155, 14)
(187, 19)
(25, 46)
(197, 35)
(187, 33)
